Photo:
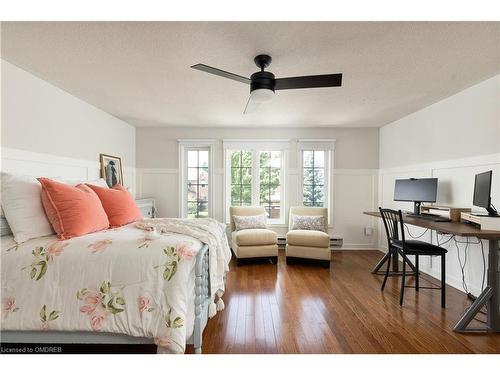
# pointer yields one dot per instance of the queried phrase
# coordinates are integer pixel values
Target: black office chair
(410, 247)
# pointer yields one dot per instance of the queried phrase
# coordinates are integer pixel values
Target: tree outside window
(313, 178)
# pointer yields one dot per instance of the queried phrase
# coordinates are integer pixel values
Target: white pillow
(22, 205)
(250, 222)
(99, 182)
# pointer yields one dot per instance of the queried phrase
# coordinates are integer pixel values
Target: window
(197, 183)
(315, 161)
(313, 185)
(254, 177)
(241, 178)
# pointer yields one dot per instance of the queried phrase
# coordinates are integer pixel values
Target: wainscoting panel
(355, 191)
(40, 164)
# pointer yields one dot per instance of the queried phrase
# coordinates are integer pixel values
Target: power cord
(466, 253)
(462, 265)
(448, 241)
(478, 242)
(415, 237)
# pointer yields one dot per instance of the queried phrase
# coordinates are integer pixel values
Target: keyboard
(431, 217)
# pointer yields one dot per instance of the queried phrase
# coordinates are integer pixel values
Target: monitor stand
(416, 208)
(491, 212)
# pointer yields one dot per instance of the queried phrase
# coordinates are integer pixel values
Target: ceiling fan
(263, 84)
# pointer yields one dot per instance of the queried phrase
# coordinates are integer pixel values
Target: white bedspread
(120, 281)
(209, 231)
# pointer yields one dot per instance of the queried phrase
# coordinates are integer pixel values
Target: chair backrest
(308, 211)
(394, 225)
(244, 211)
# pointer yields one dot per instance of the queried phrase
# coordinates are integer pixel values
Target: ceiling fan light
(262, 95)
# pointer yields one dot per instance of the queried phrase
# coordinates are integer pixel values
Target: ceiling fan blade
(251, 107)
(221, 73)
(305, 82)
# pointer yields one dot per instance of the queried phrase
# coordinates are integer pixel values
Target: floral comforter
(119, 280)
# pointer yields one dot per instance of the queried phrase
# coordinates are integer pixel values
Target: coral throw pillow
(72, 210)
(118, 204)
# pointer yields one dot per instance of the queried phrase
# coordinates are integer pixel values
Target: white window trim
(186, 145)
(327, 145)
(256, 145)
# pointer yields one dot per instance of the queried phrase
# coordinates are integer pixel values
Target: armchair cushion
(309, 238)
(254, 237)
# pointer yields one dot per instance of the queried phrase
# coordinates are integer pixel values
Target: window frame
(256, 146)
(184, 147)
(328, 146)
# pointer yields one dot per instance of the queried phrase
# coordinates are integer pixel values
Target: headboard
(38, 164)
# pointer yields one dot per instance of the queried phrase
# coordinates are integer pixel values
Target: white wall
(355, 171)
(45, 121)
(463, 125)
(452, 140)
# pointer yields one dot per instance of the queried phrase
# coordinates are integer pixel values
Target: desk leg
(489, 297)
(494, 281)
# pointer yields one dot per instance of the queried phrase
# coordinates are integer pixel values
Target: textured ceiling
(139, 71)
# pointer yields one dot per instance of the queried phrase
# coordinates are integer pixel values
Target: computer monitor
(482, 192)
(416, 190)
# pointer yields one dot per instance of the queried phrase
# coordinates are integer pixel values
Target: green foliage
(241, 178)
(111, 305)
(170, 265)
(39, 266)
(110, 298)
(176, 322)
(53, 315)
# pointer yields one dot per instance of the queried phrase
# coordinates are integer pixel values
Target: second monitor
(416, 190)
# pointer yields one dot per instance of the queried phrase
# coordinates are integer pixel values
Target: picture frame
(111, 169)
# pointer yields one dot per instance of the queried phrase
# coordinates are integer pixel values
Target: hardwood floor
(309, 309)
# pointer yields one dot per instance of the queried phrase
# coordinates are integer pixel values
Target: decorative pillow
(308, 222)
(119, 205)
(249, 222)
(22, 205)
(72, 210)
(98, 182)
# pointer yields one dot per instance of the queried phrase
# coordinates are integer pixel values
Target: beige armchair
(308, 243)
(252, 243)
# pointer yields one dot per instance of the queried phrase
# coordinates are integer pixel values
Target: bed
(117, 286)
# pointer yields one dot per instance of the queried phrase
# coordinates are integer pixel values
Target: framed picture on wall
(111, 169)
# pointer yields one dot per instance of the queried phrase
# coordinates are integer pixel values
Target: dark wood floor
(309, 309)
